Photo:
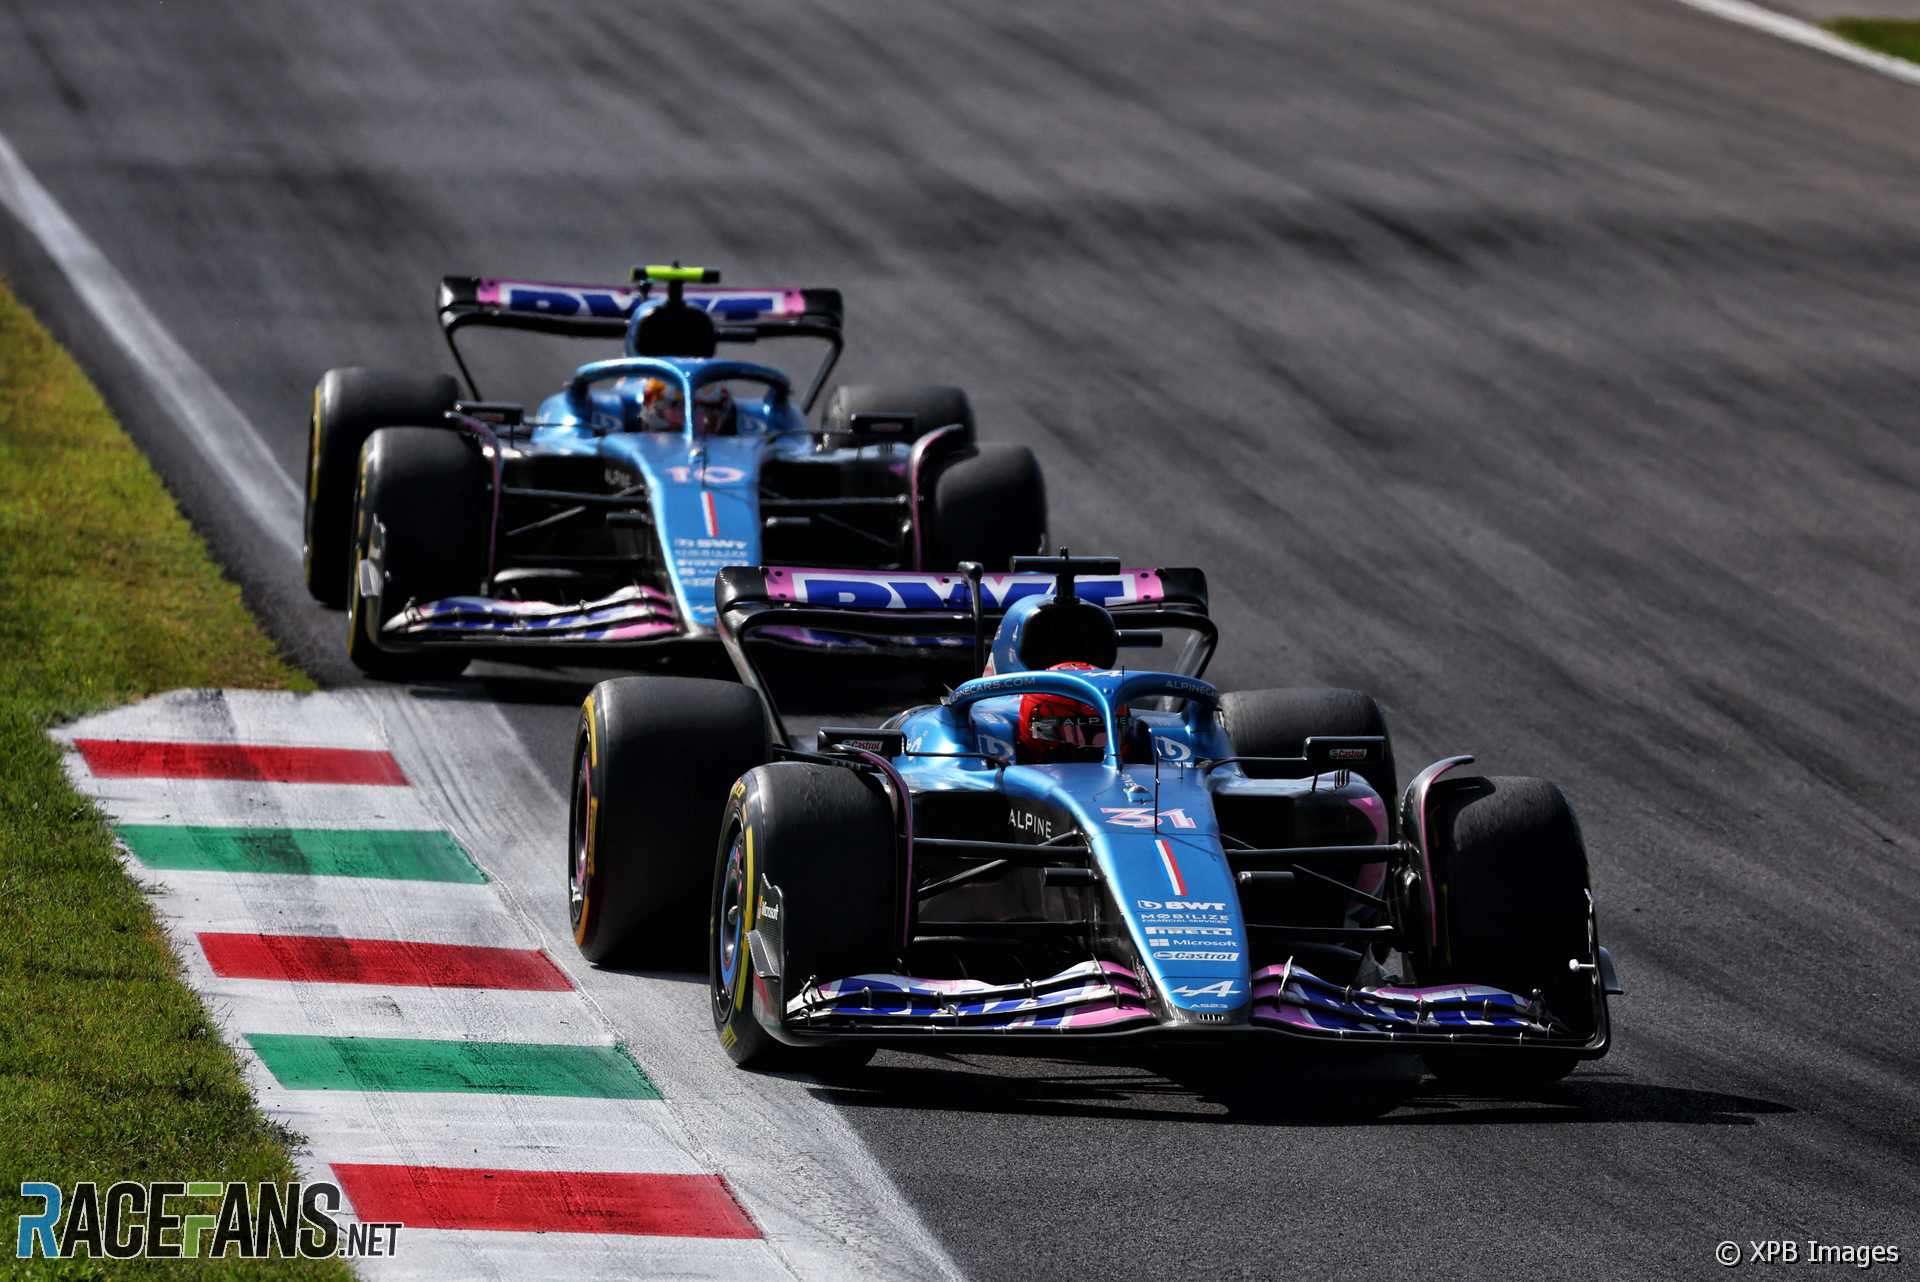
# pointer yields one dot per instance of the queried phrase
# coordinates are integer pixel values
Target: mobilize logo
(254, 1222)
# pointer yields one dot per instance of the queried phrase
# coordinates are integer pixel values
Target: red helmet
(1055, 728)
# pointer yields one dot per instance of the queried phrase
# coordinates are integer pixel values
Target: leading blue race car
(1070, 849)
(589, 530)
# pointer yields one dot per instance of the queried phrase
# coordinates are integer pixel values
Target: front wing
(1105, 997)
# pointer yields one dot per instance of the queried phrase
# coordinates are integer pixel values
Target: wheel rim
(578, 844)
(730, 925)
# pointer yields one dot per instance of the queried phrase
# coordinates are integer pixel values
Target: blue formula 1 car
(589, 530)
(1069, 849)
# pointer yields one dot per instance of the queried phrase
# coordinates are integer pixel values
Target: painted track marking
(260, 763)
(1809, 36)
(529, 1201)
(200, 410)
(321, 959)
(396, 854)
(310, 1063)
(420, 1077)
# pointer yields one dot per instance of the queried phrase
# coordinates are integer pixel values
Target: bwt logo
(617, 304)
(551, 300)
(252, 1223)
(944, 592)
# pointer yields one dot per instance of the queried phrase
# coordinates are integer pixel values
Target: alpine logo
(1030, 821)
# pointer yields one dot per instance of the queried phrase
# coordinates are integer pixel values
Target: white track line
(1808, 35)
(203, 413)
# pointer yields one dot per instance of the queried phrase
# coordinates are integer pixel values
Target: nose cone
(1160, 852)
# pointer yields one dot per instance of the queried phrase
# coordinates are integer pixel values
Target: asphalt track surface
(1546, 369)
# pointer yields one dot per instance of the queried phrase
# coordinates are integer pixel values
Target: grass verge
(1899, 37)
(109, 1067)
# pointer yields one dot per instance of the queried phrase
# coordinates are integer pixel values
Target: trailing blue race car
(449, 526)
(1067, 849)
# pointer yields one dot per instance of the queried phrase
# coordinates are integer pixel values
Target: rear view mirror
(495, 413)
(881, 425)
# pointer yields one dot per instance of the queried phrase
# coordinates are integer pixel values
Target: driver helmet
(661, 408)
(1054, 728)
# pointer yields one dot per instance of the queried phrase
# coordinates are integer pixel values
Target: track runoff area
(446, 1073)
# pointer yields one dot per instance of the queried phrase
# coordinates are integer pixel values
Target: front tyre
(823, 835)
(1516, 908)
(1278, 723)
(349, 405)
(988, 506)
(653, 762)
(422, 514)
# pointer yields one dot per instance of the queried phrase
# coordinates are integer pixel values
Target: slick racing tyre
(653, 760)
(988, 506)
(933, 407)
(823, 835)
(422, 512)
(348, 406)
(1278, 723)
(1511, 874)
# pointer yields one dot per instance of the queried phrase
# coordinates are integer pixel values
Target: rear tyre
(989, 506)
(1511, 870)
(348, 406)
(653, 762)
(426, 495)
(1278, 723)
(824, 836)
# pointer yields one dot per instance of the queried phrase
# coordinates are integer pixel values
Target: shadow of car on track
(1387, 1092)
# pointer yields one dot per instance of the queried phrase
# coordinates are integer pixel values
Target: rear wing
(917, 610)
(573, 310)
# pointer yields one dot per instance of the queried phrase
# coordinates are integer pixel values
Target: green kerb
(305, 1063)
(316, 852)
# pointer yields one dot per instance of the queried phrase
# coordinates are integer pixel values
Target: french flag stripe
(1173, 867)
(712, 515)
